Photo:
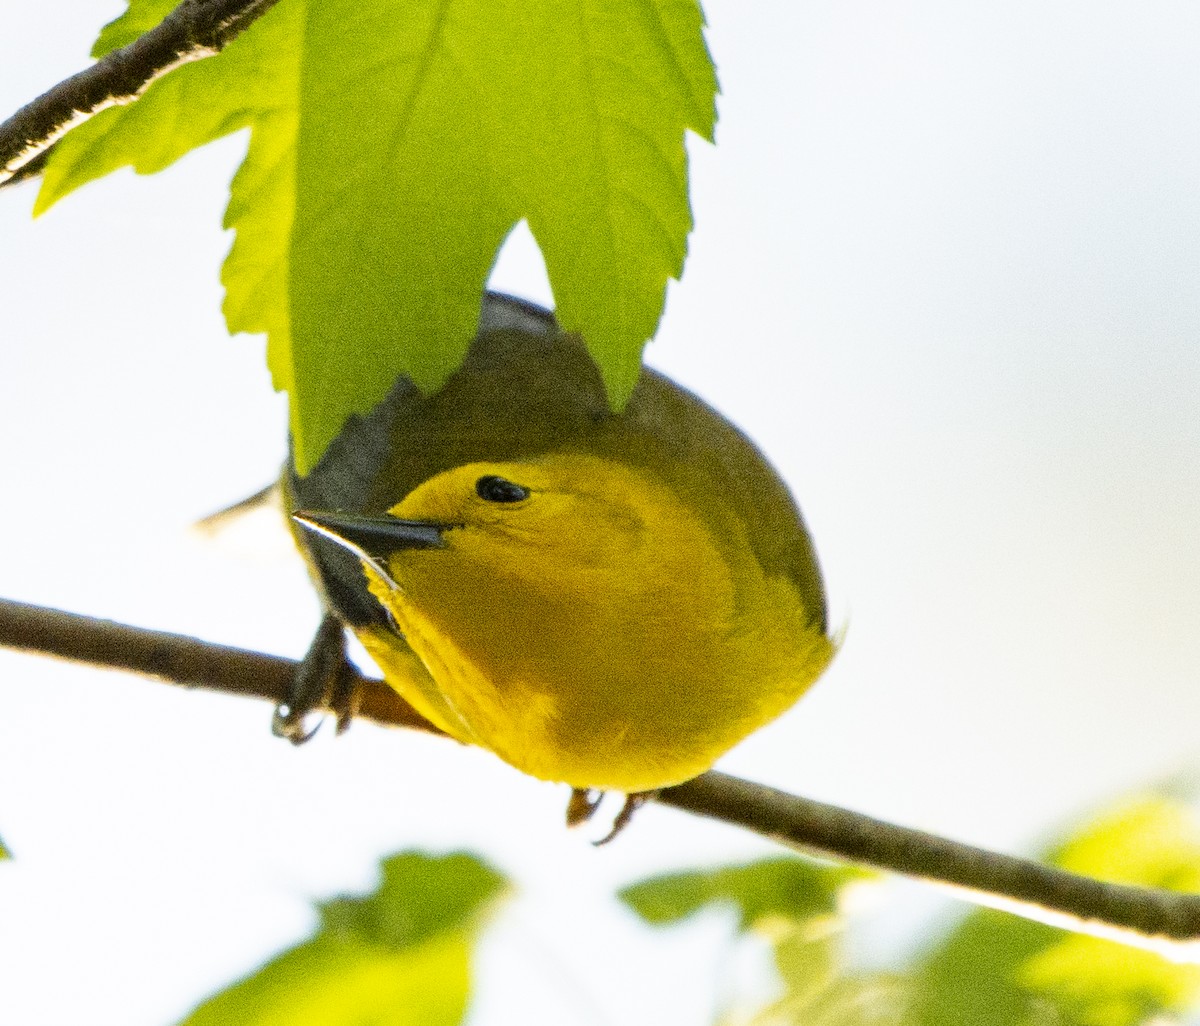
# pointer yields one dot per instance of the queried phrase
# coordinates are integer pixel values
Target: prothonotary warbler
(610, 600)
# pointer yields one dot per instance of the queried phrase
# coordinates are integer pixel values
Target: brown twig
(181, 660)
(1167, 922)
(1164, 921)
(194, 29)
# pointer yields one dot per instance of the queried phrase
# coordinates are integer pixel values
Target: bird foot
(324, 680)
(583, 803)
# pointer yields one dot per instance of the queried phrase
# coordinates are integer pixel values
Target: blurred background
(945, 274)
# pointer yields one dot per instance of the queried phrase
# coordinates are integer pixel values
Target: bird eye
(499, 489)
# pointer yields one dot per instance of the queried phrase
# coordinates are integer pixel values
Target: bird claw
(583, 803)
(324, 680)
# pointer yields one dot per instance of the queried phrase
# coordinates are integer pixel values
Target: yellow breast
(599, 633)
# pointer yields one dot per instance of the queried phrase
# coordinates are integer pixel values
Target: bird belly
(610, 722)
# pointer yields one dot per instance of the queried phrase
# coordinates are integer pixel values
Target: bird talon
(582, 805)
(288, 723)
(343, 696)
(633, 802)
(584, 802)
(323, 680)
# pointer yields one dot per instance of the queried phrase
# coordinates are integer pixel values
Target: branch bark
(1163, 921)
(182, 660)
(193, 30)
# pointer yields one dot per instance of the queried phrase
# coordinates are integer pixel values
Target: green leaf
(139, 19)
(971, 977)
(818, 988)
(398, 956)
(5, 854)
(330, 983)
(419, 898)
(1101, 983)
(786, 888)
(1000, 970)
(793, 904)
(395, 145)
(252, 83)
(1150, 839)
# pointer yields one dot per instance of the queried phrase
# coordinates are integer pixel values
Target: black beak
(372, 539)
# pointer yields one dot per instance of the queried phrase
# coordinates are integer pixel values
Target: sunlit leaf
(394, 146)
(253, 84)
(1001, 970)
(397, 957)
(817, 985)
(791, 903)
(1150, 839)
(328, 982)
(418, 898)
(141, 17)
(971, 977)
(789, 888)
(1100, 983)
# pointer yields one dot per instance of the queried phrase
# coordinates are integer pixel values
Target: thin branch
(1167, 922)
(1163, 921)
(195, 29)
(182, 660)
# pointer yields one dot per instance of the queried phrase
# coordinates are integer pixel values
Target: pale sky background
(945, 273)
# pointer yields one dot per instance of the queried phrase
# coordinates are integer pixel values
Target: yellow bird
(607, 600)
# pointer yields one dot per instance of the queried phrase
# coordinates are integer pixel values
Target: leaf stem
(1164, 921)
(193, 30)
